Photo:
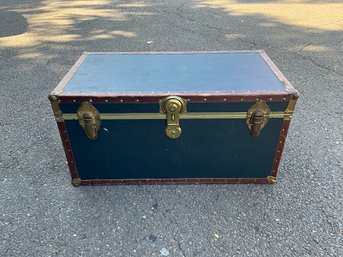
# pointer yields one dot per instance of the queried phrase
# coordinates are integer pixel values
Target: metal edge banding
(280, 147)
(174, 181)
(185, 116)
(59, 88)
(67, 149)
(288, 86)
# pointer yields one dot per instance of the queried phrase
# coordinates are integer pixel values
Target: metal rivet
(137, 100)
(74, 100)
(284, 99)
(225, 99)
(270, 99)
(205, 99)
(106, 101)
(59, 101)
(280, 141)
(90, 100)
(242, 99)
(121, 100)
(283, 129)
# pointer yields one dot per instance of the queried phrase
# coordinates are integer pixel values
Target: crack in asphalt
(179, 13)
(178, 243)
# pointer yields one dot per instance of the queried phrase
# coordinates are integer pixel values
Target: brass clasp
(173, 106)
(89, 119)
(257, 117)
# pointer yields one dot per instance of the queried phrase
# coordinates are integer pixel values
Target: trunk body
(201, 117)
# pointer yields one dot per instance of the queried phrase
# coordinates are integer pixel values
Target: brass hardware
(256, 123)
(173, 106)
(290, 107)
(89, 119)
(56, 108)
(76, 181)
(271, 180)
(184, 116)
(257, 117)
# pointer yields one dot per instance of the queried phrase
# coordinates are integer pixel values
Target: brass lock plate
(173, 107)
(89, 119)
(257, 117)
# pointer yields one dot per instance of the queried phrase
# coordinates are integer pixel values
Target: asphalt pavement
(41, 214)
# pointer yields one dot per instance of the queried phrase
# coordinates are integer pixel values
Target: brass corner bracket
(76, 182)
(291, 106)
(257, 117)
(89, 119)
(173, 107)
(56, 108)
(271, 180)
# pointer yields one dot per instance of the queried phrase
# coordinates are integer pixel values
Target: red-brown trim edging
(174, 181)
(214, 98)
(280, 146)
(67, 149)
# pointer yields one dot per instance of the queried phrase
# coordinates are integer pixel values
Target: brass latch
(257, 117)
(89, 119)
(173, 106)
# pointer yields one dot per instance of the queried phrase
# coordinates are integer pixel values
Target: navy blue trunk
(219, 117)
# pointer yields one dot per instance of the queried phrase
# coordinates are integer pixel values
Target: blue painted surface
(206, 149)
(163, 73)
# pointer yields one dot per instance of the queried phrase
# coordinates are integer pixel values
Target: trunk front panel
(138, 149)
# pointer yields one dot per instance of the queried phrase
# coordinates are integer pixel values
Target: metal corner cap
(271, 180)
(53, 97)
(293, 93)
(76, 182)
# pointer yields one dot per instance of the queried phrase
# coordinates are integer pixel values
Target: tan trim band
(184, 116)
